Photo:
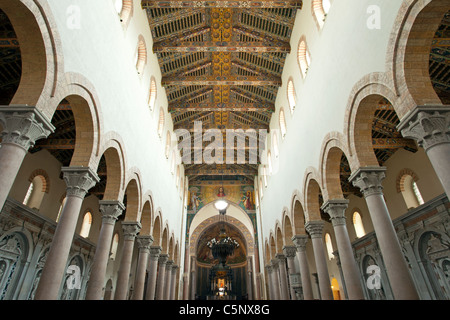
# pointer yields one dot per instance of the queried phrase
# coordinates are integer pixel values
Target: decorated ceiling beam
(222, 81)
(220, 172)
(172, 16)
(9, 43)
(292, 4)
(57, 144)
(393, 143)
(231, 46)
(223, 107)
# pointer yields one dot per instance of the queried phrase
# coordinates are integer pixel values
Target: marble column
(336, 210)
(173, 283)
(168, 280)
(250, 278)
(300, 243)
(130, 231)
(78, 180)
(193, 278)
(369, 181)
(430, 127)
(271, 292)
(284, 289)
(110, 210)
(315, 229)
(291, 252)
(163, 258)
(152, 270)
(22, 127)
(144, 244)
(276, 278)
(185, 286)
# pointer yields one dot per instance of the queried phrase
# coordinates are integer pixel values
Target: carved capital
(131, 230)
(275, 263)
(169, 265)
(300, 242)
(336, 211)
(290, 251)
(269, 268)
(315, 228)
(155, 251)
(23, 126)
(281, 258)
(428, 125)
(144, 243)
(174, 268)
(110, 210)
(369, 180)
(79, 180)
(163, 258)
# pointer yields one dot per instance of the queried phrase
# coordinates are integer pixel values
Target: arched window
(329, 246)
(39, 185)
(86, 225)
(304, 58)
(114, 245)
(161, 121)
(118, 5)
(152, 97)
(141, 55)
(168, 145)
(177, 178)
(320, 10)
(28, 194)
(124, 9)
(407, 185)
(276, 150)
(291, 95)
(358, 225)
(282, 120)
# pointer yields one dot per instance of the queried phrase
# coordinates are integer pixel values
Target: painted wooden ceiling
(221, 64)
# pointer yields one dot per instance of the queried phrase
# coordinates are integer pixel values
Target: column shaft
(161, 276)
(315, 230)
(369, 180)
(130, 231)
(336, 210)
(152, 266)
(168, 280)
(144, 243)
(300, 243)
(79, 181)
(110, 210)
(284, 290)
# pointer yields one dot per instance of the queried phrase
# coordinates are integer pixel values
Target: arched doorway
(205, 226)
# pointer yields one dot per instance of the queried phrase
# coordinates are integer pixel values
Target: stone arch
(364, 98)
(298, 215)
(288, 229)
(410, 44)
(146, 218)
(272, 245)
(333, 148)
(267, 252)
(132, 194)
(312, 189)
(127, 12)
(114, 155)
(165, 239)
(83, 100)
(156, 230)
(41, 52)
(279, 237)
(176, 254)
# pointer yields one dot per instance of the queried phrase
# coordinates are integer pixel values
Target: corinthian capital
(315, 228)
(336, 211)
(131, 229)
(79, 180)
(300, 242)
(369, 180)
(428, 125)
(111, 210)
(23, 126)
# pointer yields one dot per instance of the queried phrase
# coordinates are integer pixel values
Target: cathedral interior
(224, 150)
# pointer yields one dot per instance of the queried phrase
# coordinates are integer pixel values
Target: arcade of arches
(344, 196)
